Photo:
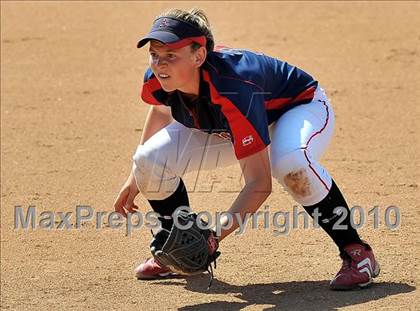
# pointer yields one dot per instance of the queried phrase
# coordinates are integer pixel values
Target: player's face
(174, 68)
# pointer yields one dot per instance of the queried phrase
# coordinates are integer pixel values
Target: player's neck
(192, 89)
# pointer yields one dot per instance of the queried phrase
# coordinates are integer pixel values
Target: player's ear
(200, 56)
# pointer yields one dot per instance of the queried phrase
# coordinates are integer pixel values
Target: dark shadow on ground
(305, 295)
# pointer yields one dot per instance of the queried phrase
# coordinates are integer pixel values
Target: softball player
(216, 106)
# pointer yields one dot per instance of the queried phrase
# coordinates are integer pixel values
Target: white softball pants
(298, 140)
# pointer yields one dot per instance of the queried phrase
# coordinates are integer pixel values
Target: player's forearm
(248, 201)
(156, 120)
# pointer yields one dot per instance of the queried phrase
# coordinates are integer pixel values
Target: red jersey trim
(246, 139)
(278, 103)
(147, 91)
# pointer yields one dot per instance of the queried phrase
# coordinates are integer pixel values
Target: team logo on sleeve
(247, 140)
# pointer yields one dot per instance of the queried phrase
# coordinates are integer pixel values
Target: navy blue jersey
(241, 93)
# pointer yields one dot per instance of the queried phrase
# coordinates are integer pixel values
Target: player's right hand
(125, 200)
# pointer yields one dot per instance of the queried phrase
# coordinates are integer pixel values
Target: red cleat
(358, 269)
(152, 269)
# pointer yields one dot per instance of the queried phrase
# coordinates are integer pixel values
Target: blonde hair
(198, 18)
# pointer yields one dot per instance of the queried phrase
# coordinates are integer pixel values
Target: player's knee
(297, 181)
(144, 160)
(144, 164)
(292, 171)
(153, 178)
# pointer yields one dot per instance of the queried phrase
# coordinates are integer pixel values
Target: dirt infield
(71, 118)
